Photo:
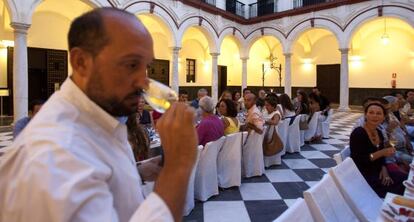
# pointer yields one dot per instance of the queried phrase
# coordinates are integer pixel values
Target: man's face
(118, 72)
(201, 94)
(262, 94)
(183, 98)
(249, 100)
(316, 91)
(410, 96)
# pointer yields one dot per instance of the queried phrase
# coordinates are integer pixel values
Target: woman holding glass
(368, 152)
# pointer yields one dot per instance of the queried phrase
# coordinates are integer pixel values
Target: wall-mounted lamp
(272, 63)
(385, 39)
(6, 43)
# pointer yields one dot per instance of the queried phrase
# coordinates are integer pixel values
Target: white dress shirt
(73, 163)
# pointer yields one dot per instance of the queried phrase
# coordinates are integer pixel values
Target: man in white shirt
(73, 161)
(254, 120)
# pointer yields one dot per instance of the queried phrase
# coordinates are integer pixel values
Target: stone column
(244, 72)
(20, 71)
(214, 76)
(344, 90)
(288, 74)
(175, 83)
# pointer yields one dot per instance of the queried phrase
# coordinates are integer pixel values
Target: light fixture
(6, 43)
(272, 63)
(385, 38)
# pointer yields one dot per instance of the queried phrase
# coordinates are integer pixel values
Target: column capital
(344, 50)
(175, 49)
(214, 54)
(20, 27)
(287, 54)
(244, 58)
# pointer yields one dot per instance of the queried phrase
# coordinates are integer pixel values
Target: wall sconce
(272, 63)
(6, 43)
(356, 61)
(385, 38)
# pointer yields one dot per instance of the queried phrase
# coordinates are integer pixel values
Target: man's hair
(183, 92)
(88, 30)
(206, 104)
(245, 89)
(408, 91)
(34, 103)
(202, 90)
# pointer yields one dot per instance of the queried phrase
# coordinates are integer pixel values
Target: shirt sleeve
(151, 210)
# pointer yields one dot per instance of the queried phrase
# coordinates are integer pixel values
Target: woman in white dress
(272, 117)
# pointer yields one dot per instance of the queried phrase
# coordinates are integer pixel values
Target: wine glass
(393, 141)
(159, 96)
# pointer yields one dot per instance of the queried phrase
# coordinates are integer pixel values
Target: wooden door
(328, 81)
(222, 79)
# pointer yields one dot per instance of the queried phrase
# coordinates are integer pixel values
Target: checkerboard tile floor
(265, 198)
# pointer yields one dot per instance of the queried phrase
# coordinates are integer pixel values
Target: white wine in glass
(159, 96)
(393, 142)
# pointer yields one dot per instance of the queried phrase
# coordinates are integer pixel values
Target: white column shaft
(288, 74)
(214, 76)
(244, 72)
(175, 82)
(344, 90)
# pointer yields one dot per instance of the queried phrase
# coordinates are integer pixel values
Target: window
(190, 68)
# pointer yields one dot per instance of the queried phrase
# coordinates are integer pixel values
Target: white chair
(313, 127)
(277, 158)
(206, 184)
(326, 203)
(356, 191)
(252, 155)
(324, 125)
(298, 212)
(339, 157)
(293, 144)
(282, 129)
(229, 161)
(189, 201)
(303, 117)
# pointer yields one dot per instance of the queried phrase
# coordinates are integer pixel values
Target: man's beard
(112, 105)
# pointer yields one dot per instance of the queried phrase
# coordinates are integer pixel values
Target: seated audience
(301, 103)
(143, 116)
(211, 127)
(254, 119)
(224, 95)
(137, 138)
(236, 98)
(261, 100)
(368, 153)
(246, 91)
(34, 107)
(272, 116)
(183, 96)
(324, 102)
(288, 111)
(200, 94)
(227, 109)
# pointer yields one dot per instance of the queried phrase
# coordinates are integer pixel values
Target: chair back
(363, 201)
(345, 153)
(326, 203)
(282, 129)
(189, 201)
(298, 212)
(293, 144)
(313, 126)
(252, 155)
(229, 161)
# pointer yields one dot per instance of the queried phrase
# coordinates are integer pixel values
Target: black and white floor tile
(265, 198)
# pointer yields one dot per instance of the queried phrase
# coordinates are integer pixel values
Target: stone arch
(255, 35)
(237, 37)
(358, 21)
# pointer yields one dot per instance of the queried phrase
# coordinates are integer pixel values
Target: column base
(344, 109)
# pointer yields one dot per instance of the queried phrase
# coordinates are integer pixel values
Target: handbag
(272, 144)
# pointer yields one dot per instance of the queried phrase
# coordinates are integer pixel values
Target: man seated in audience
(241, 100)
(324, 102)
(211, 127)
(409, 112)
(183, 96)
(200, 94)
(260, 102)
(34, 107)
(254, 120)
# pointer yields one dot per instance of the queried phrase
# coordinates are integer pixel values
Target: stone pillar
(20, 71)
(344, 90)
(288, 74)
(244, 72)
(214, 76)
(175, 83)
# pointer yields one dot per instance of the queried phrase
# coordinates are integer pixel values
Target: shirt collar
(77, 97)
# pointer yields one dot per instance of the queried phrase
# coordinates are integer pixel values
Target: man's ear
(80, 61)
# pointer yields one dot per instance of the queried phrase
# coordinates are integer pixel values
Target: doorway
(160, 70)
(328, 81)
(222, 79)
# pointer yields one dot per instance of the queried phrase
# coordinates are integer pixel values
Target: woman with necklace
(368, 153)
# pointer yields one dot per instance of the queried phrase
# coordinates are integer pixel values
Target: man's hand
(179, 141)
(149, 170)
